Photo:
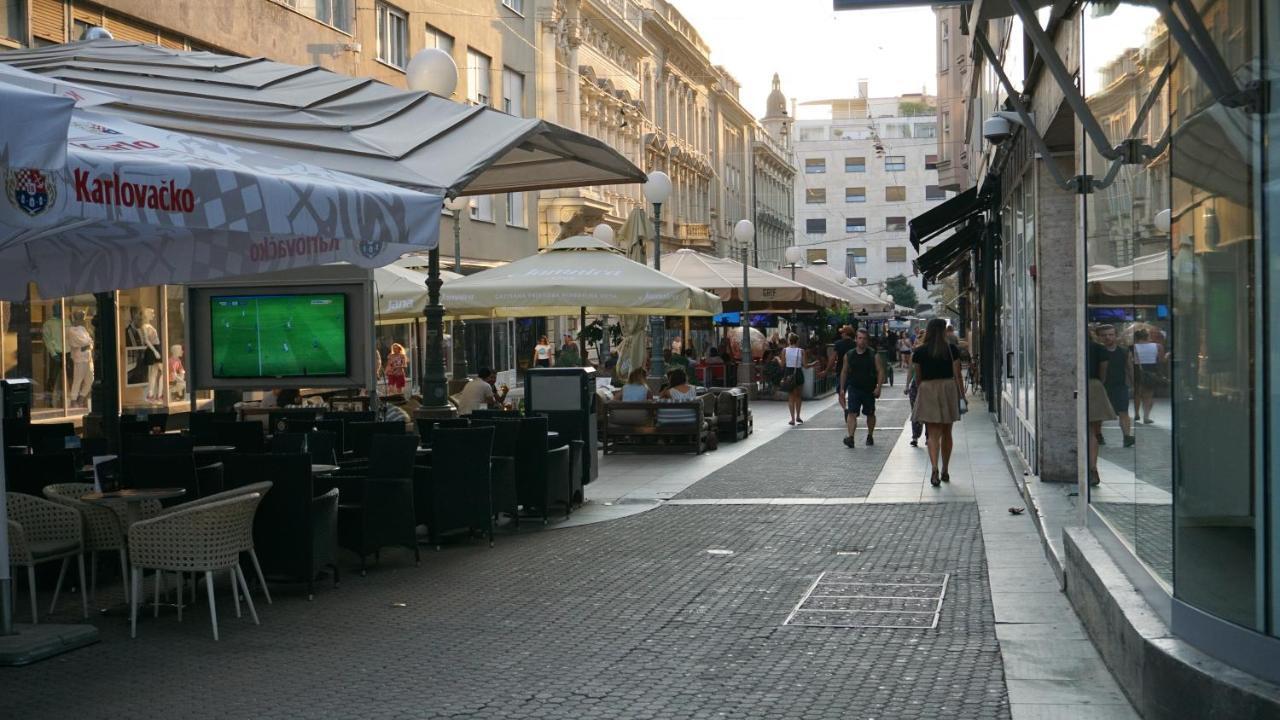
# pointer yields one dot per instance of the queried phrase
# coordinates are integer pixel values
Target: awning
(856, 298)
(767, 292)
(355, 125)
(945, 258)
(930, 223)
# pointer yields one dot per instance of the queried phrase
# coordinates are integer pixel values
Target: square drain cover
(872, 600)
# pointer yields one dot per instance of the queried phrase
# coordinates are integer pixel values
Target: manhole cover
(872, 600)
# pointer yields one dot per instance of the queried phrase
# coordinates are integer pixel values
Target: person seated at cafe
(479, 393)
(678, 389)
(288, 397)
(636, 389)
(611, 362)
(713, 357)
(394, 409)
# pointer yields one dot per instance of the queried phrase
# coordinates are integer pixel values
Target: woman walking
(793, 372)
(904, 351)
(936, 365)
(1148, 361)
(542, 353)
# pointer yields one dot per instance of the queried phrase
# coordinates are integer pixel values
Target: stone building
(773, 182)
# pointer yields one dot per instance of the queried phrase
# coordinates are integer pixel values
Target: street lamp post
(656, 190)
(744, 232)
(459, 207)
(794, 256)
(433, 70)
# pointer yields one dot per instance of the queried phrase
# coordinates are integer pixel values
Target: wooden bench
(636, 423)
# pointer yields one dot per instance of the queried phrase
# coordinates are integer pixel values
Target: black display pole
(106, 381)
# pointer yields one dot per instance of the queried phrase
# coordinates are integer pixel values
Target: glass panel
(1215, 269)
(1127, 286)
(402, 333)
(81, 352)
(142, 369)
(35, 333)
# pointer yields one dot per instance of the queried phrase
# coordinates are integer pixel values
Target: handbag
(788, 382)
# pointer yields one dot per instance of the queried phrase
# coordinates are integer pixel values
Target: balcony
(693, 233)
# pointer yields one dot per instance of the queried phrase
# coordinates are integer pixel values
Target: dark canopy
(932, 222)
(946, 257)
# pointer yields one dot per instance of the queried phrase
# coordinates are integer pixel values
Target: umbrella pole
(582, 333)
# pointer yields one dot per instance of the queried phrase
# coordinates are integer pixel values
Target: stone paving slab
(633, 618)
(808, 461)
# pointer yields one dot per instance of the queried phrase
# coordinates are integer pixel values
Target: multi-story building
(866, 168)
(953, 94)
(773, 182)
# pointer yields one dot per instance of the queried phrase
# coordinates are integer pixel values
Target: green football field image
(278, 336)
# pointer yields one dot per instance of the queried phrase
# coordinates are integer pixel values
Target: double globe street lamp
(744, 232)
(656, 190)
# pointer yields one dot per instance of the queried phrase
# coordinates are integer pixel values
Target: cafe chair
(245, 436)
(104, 529)
(502, 465)
(202, 426)
(288, 442)
(456, 486)
(376, 501)
(322, 447)
(42, 531)
(360, 435)
(204, 537)
(335, 427)
(542, 473)
(252, 482)
(278, 421)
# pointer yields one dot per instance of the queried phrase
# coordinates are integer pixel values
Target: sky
(819, 53)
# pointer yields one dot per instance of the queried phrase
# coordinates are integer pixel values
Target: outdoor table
(133, 499)
(213, 449)
(318, 469)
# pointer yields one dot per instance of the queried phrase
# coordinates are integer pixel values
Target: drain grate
(872, 600)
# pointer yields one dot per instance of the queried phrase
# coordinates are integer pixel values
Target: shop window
(142, 369)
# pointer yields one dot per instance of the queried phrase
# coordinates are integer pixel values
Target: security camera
(996, 129)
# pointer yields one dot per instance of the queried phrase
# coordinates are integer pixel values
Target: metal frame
(867, 578)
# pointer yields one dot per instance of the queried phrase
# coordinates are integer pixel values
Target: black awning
(942, 259)
(947, 215)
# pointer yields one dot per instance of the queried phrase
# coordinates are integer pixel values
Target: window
(895, 223)
(515, 5)
(855, 194)
(512, 92)
(855, 225)
(926, 130)
(815, 255)
(815, 166)
(895, 193)
(930, 162)
(895, 163)
(895, 254)
(859, 255)
(855, 164)
(440, 40)
(331, 12)
(933, 192)
(818, 133)
(479, 90)
(482, 208)
(815, 196)
(816, 226)
(393, 35)
(944, 46)
(515, 210)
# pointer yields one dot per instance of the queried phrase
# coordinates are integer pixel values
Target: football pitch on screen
(279, 336)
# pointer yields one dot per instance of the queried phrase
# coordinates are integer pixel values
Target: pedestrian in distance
(397, 368)
(860, 382)
(542, 353)
(936, 363)
(793, 376)
(912, 391)
(1148, 360)
(1098, 406)
(1118, 381)
(904, 351)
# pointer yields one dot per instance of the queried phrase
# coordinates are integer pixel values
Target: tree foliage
(901, 291)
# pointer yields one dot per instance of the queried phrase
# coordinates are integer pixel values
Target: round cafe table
(133, 499)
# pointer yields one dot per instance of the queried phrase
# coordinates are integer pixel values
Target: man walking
(842, 346)
(1118, 380)
(860, 382)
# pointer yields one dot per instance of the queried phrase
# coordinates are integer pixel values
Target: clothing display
(80, 345)
(177, 374)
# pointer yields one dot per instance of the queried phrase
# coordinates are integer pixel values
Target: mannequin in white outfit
(80, 348)
(152, 357)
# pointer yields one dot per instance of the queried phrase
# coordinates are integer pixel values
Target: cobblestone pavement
(809, 461)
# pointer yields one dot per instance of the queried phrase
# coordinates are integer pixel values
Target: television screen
(278, 336)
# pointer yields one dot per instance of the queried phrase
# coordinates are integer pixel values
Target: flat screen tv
(278, 336)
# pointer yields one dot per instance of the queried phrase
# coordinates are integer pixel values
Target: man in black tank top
(860, 382)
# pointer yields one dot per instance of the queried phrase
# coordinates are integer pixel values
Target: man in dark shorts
(1118, 380)
(860, 381)
(842, 346)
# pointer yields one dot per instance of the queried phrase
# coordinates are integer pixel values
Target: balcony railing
(693, 233)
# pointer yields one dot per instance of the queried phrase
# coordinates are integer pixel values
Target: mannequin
(177, 374)
(80, 348)
(151, 357)
(51, 334)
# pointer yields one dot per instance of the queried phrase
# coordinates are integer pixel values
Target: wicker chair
(104, 529)
(247, 545)
(42, 531)
(201, 537)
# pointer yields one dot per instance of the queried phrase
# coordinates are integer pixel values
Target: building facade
(865, 168)
(773, 182)
(1122, 287)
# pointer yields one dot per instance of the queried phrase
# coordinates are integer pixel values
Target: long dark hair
(935, 338)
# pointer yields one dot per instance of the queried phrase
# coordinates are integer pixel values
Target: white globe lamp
(457, 204)
(744, 231)
(603, 233)
(1163, 220)
(657, 188)
(432, 70)
(794, 255)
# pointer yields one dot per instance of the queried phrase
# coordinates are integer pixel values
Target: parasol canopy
(574, 273)
(769, 293)
(402, 292)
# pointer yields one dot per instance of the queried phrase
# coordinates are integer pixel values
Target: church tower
(776, 121)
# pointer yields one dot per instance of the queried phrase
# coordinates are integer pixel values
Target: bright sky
(819, 53)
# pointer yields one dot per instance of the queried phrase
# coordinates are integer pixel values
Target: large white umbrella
(402, 292)
(35, 112)
(769, 293)
(1147, 276)
(137, 205)
(633, 235)
(856, 298)
(574, 273)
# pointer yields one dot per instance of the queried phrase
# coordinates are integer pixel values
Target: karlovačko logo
(30, 190)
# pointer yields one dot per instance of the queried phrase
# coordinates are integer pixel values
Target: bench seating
(636, 423)
(733, 414)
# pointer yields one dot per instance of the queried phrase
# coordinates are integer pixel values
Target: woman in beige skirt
(936, 365)
(1098, 405)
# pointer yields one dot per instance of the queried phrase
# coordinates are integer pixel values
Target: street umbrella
(631, 353)
(402, 292)
(574, 273)
(769, 293)
(35, 112)
(137, 205)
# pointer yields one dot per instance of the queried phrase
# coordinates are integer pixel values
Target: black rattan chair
(456, 486)
(360, 435)
(542, 474)
(201, 426)
(246, 436)
(502, 484)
